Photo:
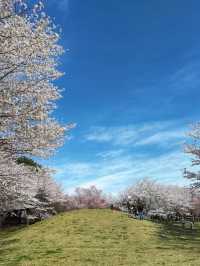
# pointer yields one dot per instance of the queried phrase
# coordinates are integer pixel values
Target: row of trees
(29, 53)
(156, 196)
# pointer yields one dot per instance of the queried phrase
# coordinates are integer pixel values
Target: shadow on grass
(173, 235)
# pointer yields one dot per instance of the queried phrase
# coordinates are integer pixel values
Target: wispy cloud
(129, 154)
(110, 154)
(166, 168)
(115, 174)
(168, 137)
(159, 133)
(74, 170)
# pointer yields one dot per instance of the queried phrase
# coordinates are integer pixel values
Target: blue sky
(131, 85)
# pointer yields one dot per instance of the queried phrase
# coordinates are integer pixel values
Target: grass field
(99, 237)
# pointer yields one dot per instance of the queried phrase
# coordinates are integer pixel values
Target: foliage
(27, 161)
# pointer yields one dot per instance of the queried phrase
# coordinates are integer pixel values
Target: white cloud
(119, 166)
(99, 134)
(110, 154)
(171, 137)
(115, 174)
(152, 133)
(74, 170)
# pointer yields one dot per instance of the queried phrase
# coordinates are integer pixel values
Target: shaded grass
(99, 237)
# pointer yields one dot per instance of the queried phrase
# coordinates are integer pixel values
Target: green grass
(99, 237)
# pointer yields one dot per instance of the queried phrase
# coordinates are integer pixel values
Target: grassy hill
(99, 237)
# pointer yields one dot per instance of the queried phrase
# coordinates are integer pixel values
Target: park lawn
(99, 237)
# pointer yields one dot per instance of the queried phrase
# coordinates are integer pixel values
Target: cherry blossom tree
(193, 149)
(47, 188)
(20, 184)
(90, 198)
(154, 196)
(17, 183)
(29, 53)
(83, 198)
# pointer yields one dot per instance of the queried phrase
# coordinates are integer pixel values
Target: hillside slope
(99, 237)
